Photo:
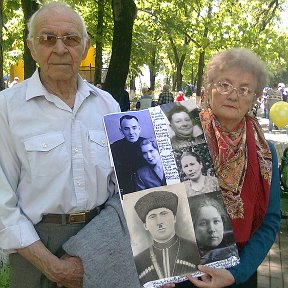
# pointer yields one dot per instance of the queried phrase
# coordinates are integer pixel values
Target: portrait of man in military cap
(169, 255)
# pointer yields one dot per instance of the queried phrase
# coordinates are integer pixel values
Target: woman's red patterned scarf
(229, 153)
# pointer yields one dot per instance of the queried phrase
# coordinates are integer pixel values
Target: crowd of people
(58, 184)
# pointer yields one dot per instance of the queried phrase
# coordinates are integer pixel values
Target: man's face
(181, 124)
(130, 129)
(209, 227)
(160, 223)
(58, 62)
(150, 154)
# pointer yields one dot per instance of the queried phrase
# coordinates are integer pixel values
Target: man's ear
(31, 48)
(145, 227)
(86, 49)
(121, 131)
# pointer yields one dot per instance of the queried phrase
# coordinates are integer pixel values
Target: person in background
(124, 100)
(273, 95)
(99, 85)
(165, 96)
(14, 82)
(52, 148)
(285, 93)
(125, 152)
(246, 165)
(180, 96)
(146, 100)
(152, 174)
(195, 181)
(169, 254)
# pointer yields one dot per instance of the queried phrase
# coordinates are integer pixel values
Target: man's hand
(212, 278)
(67, 271)
(74, 272)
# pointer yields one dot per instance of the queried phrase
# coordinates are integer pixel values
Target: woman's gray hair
(55, 6)
(241, 58)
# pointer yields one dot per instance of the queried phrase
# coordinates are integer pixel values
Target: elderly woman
(195, 181)
(246, 164)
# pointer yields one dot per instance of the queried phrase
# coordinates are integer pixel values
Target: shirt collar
(35, 88)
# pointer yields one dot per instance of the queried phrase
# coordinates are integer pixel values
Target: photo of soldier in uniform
(168, 253)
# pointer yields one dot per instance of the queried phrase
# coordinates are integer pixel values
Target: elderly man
(170, 255)
(125, 153)
(55, 173)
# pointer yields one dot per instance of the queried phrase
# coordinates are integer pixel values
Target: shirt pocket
(47, 154)
(99, 149)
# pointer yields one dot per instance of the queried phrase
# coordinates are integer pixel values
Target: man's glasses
(226, 88)
(50, 40)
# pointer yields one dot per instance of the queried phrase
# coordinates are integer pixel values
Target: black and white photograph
(197, 176)
(170, 195)
(213, 231)
(126, 132)
(161, 232)
(151, 174)
(185, 128)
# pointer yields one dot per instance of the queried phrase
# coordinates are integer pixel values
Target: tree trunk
(99, 43)
(124, 12)
(200, 72)
(178, 64)
(2, 87)
(29, 7)
(152, 68)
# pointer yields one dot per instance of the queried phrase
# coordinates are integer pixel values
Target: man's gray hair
(55, 6)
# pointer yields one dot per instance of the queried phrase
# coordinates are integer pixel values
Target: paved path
(273, 272)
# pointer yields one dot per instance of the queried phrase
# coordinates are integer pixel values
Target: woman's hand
(212, 278)
(169, 285)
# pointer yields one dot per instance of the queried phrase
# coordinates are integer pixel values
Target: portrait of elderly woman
(246, 164)
(212, 228)
(192, 169)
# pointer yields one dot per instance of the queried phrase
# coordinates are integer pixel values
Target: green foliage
(4, 277)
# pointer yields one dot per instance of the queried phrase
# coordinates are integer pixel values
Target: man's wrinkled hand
(72, 272)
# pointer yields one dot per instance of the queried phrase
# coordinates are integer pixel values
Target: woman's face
(191, 167)
(181, 124)
(150, 154)
(231, 108)
(209, 228)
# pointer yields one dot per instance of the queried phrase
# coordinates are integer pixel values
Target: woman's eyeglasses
(50, 40)
(226, 88)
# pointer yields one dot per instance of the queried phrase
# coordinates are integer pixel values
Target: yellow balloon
(279, 114)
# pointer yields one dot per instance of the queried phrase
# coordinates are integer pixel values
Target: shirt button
(44, 145)
(79, 184)
(75, 150)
